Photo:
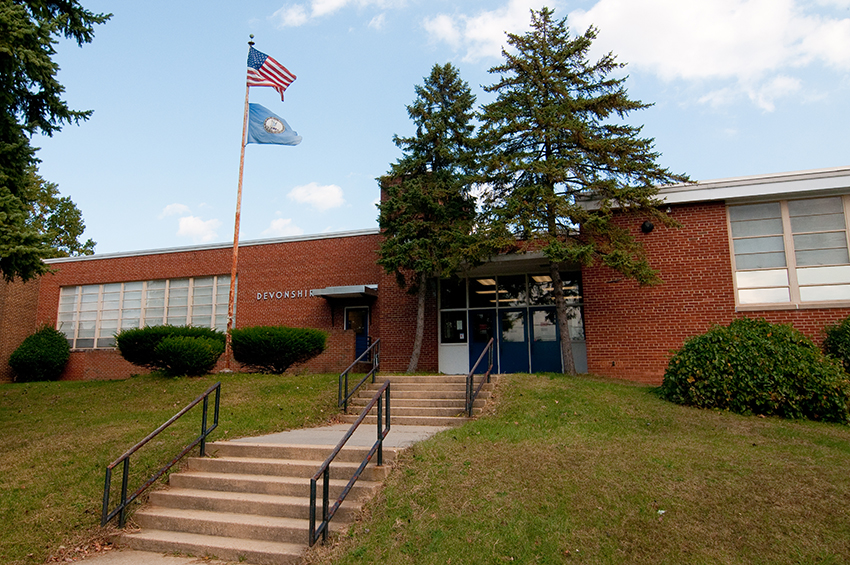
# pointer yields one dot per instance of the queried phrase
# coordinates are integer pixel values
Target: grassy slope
(57, 438)
(581, 470)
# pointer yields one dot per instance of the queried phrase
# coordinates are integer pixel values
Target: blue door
(481, 325)
(357, 319)
(545, 341)
(513, 341)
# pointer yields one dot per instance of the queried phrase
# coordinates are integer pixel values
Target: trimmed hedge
(273, 349)
(184, 355)
(755, 367)
(41, 357)
(174, 350)
(837, 342)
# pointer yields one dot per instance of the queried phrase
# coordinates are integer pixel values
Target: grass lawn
(57, 438)
(585, 470)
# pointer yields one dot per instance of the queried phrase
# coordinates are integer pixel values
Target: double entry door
(527, 339)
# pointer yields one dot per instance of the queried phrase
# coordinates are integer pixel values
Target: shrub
(138, 345)
(754, 367)
(837, 342)
(185, 355)
(41, 357)
(273, 349)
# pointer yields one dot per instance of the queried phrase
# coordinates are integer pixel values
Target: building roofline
(755, 186)
(210, 246)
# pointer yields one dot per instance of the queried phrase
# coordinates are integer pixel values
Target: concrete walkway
(365, 436)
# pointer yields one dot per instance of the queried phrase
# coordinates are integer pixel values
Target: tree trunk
(563, 326)
(420, 324)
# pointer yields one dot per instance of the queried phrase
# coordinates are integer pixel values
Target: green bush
(837, 342)
(41, 357)
(138, 345)
(273, 349)
(754, 367)
(184, 355)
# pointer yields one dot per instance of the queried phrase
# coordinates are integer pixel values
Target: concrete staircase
(427, 400)
(249, 502)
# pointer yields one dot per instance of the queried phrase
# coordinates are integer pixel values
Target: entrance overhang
(350, 291)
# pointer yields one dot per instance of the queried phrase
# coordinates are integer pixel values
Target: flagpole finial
(251, 41)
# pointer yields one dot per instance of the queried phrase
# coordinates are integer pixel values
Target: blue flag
(265, 127)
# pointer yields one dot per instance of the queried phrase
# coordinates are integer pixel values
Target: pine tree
(427, 214)
(31, 103)
(556, 137)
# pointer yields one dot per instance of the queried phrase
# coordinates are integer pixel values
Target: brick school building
(770, 246)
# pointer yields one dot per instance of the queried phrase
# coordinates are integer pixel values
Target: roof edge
(211, 246)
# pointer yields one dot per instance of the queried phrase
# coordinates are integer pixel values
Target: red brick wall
(17, 320)
(631, 331)
(397, 311)
(263, 270)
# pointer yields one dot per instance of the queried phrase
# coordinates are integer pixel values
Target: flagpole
(231, 299)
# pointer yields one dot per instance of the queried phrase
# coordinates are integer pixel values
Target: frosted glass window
(90, 315)
(824, 293)
(817, 245)
(823, 275)
(757, 279)
(764, 296)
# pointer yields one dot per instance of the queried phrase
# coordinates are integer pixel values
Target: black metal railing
(344, 395)
(471, 394)
(121, 509)
(324, 471)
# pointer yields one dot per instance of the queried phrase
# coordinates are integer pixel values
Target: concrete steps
(249, 502)
(430, 400)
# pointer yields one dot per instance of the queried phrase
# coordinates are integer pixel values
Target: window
(791, 252)
(90, 315)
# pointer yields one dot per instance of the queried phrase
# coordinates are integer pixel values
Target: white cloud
(753, 46)
(700, 39)
(443, 28)
(482, 35)
(174, 210)
(778, 87)
(293, 15)
(201, 231)
(378, 22)
(281, 227)
(320, 197)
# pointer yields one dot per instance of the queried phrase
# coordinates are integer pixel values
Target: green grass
(584, 470)
(57, 438)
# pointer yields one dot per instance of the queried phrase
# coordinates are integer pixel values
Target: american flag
(265, 71)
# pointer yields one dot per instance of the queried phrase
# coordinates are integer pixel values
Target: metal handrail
(374, 350)
(470, 394)
(121, 509)
(325, 470)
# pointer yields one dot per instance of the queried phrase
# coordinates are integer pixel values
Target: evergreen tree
(555, 138)
(427, 214)
(31, 103)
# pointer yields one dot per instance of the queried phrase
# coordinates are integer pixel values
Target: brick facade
(18, 302)
(632, 331)
(266, 270)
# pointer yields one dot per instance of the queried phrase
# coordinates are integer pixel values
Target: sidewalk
(329, 436)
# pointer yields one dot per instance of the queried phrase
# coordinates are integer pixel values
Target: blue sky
(739, 87)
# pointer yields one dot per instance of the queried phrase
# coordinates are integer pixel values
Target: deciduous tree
(557, 137)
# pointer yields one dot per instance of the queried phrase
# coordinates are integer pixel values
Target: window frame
(69, 312)
(791, 267)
